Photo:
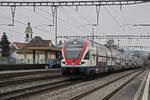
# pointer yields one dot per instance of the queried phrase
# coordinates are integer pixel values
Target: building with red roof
(15, 47)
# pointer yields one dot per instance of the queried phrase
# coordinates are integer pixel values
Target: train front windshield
(74, 48)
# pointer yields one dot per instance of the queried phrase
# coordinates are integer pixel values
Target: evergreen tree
(5, 46)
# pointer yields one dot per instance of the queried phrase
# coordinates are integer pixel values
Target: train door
(97, 62)
(96, 57)
(108, 59)
(106, 64)
(115, 61)
(111, 57)
(91, 58)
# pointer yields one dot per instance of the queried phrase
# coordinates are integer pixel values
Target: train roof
(93, 43)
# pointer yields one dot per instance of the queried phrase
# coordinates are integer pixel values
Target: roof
(15, 46)
(37, 43)
(18, 45)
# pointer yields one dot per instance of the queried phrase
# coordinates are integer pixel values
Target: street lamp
(8, 29)
(135, 25)
(43, 25)
(50, 25)
(6, 25)
(93, 30)
(93, 25)
(141, 25)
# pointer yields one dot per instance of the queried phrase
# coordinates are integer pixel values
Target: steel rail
(25, 92)
(34, 72)
(102, 86)
(119, 88)
(14, 94)
(29, 79)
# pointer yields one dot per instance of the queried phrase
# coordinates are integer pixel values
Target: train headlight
(81, 63)
(64, 63)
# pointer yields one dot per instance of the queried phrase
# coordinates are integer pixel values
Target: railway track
(23, 92)
(29, 78)
(9, 83)
(74, 88)
(30, 90)
(9, 74)
(53, 86)
(113, 92)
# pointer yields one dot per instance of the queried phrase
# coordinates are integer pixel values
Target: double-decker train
(85, 57)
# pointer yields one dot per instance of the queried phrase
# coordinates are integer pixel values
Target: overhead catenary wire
(77, 29)
(62, 26)
(20, 22)
(47, 19)
(125, 20)
(115, 20)
(83, 17)
(78, 21)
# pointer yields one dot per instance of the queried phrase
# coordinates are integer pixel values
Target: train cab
(76, 56)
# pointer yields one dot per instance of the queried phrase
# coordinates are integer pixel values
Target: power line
(113, 18)
(72, 17)
(63, 21)
(20, 22)
(125, 20)
(58, 18)
(84, 18)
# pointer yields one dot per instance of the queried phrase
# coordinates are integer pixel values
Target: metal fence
(10, 60)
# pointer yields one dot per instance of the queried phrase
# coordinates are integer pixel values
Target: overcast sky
(113, 20)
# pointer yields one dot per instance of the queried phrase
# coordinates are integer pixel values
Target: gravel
(29, 84)
(73, 90)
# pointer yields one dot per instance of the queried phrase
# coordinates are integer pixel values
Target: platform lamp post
(8, 29)
(118, 42)
(6, 25)
(141, 25)
(93, 30)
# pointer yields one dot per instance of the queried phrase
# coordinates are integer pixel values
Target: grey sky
(72, 22)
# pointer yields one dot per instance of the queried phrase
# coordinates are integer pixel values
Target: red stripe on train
(64, 50)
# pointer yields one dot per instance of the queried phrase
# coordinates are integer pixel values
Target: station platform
(15, 73)
(24, 71)
(138, 89)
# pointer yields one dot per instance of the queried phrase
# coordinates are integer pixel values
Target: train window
(94, 57)
(74, 49)
(87, 55)
(92, 44)
(108, 58)
(113, 59)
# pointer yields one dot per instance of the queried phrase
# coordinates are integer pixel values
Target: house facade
(38, 51)
(33, 50)
(14, 47)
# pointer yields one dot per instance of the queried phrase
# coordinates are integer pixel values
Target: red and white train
(84, 57)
